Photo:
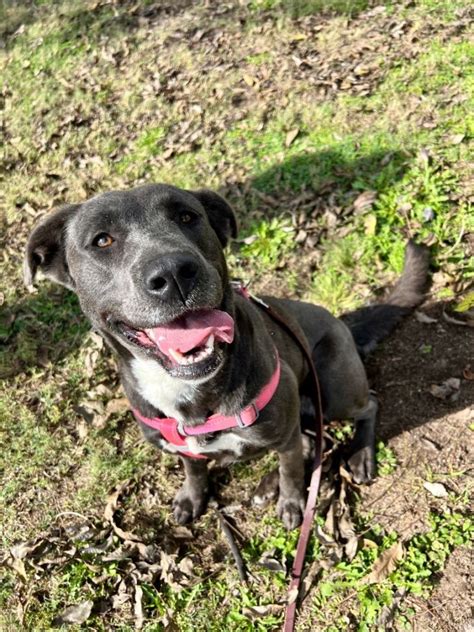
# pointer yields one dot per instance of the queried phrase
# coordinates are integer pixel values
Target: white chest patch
(159, 388)
(163, 392)
(227, 441)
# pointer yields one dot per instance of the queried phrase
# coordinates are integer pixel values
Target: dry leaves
(338, 526)
(290, 137)
(385, 564)
(448, 390)
(257, 612)
(364, 201)
(111, 507)
(75, 614)
(436, 489)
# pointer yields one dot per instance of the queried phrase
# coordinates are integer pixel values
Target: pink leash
(310, 509)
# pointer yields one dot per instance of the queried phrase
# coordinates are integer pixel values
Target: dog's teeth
(177, 356)
(192, 358)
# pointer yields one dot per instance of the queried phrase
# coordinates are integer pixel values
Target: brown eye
(103, 240)
(186, 217)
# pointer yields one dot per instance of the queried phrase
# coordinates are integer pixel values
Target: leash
(310, 509)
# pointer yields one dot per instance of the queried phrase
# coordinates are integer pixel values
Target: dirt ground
(427, 434)
(335, 125)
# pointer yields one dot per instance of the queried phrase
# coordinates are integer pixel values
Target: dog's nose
(172, 276)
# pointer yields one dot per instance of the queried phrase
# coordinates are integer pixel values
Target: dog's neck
(247, 368)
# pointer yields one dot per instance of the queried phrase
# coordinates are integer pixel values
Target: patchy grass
(333, 154)
(301, 8)
(424, 555)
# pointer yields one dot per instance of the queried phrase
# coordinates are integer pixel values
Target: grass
(425, 555)
(98, 98)
(301, 8)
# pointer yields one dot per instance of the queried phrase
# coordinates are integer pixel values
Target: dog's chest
(168, 394)
(160, 389)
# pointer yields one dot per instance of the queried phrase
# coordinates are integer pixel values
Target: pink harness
(175, 433)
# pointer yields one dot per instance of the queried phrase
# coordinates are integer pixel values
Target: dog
(149, 270)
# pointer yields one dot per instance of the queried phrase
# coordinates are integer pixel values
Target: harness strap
(175, 432)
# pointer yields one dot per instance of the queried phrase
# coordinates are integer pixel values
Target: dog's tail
(369, 325)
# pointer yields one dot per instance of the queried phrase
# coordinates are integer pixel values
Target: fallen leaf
(421, 317)
(370, 223)
(257, 612)
(467, 373)
(292, 595)
(364, 201)
(19, 568)
(448, 390)
(301, 236)
(90, 360)
(290, 137)
(138, 608)
(436, 489)
(75, 614)
(270, 563)
(22, 550)
(109, 511)
(385, 564)
(323, 537)
(456, 139)
(119, 405)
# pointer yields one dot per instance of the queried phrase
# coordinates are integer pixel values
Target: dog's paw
(362, 465)
(188, 506)
(267, 489)
(290, 511)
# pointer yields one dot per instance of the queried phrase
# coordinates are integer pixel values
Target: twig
(233, 547)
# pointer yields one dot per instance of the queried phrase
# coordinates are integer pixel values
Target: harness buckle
(240, 421)
(180, 428)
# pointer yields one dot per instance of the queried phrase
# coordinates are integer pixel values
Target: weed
(386, 459)
(425, 555)
(269, 243)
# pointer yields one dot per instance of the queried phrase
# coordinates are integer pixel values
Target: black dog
(149, 270)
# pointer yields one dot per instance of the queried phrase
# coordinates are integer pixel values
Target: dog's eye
(186, 217)
(103, 240)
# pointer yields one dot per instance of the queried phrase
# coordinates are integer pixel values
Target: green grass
(301, 8)
(425, 555)
(269, 243)
(386, 460)
(96, 99)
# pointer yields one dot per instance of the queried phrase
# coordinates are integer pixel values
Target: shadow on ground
(418, 355)
(314, 182)
(101, 18)
(40, 329)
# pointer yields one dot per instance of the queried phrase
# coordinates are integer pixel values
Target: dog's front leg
(291, 501)
(190, 502)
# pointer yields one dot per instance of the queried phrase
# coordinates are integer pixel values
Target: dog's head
(149, 270)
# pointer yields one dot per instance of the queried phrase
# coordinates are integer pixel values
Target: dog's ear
(220, 213)
(45, 249)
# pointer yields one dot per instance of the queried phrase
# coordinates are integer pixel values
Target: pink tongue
(193, 331)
